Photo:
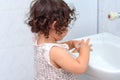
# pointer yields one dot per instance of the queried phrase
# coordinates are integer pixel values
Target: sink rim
(103, 38)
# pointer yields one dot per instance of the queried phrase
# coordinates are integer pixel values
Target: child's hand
(76, 43)
(85, 47)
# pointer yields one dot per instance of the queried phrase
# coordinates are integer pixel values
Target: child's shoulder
(63, 46)
(50, 45)
(59, 48)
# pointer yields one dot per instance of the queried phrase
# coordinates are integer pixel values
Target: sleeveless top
(43, 69)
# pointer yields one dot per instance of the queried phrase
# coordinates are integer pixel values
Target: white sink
(105, 58)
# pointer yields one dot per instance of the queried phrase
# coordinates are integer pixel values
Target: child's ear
(53, 25)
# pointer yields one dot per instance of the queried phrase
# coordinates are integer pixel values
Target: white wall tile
(13, 30)
(14, 4)
(106, 25)
(16, 63)
(86, 23)
(16, 51)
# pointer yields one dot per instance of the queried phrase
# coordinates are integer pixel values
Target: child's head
(43, 13)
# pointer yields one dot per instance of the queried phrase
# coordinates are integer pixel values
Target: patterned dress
(43, 69)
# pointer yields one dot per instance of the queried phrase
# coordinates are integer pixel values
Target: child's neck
(42, 39)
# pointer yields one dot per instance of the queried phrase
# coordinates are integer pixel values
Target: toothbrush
(74, 51)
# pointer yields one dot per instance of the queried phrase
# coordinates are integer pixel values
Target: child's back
(44, 70)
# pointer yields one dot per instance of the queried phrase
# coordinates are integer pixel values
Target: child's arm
(69, 43)
(72, 43)
(60, 57)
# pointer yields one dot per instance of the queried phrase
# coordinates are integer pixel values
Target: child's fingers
(90, 45)
(91, 49)
(87, 41)
(82, 41)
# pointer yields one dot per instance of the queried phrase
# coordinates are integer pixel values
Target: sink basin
(104, 61)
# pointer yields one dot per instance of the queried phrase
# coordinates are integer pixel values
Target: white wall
(86, 23)
(105, 25)
(16, 51)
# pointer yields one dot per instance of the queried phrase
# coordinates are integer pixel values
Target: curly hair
(44, 12)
